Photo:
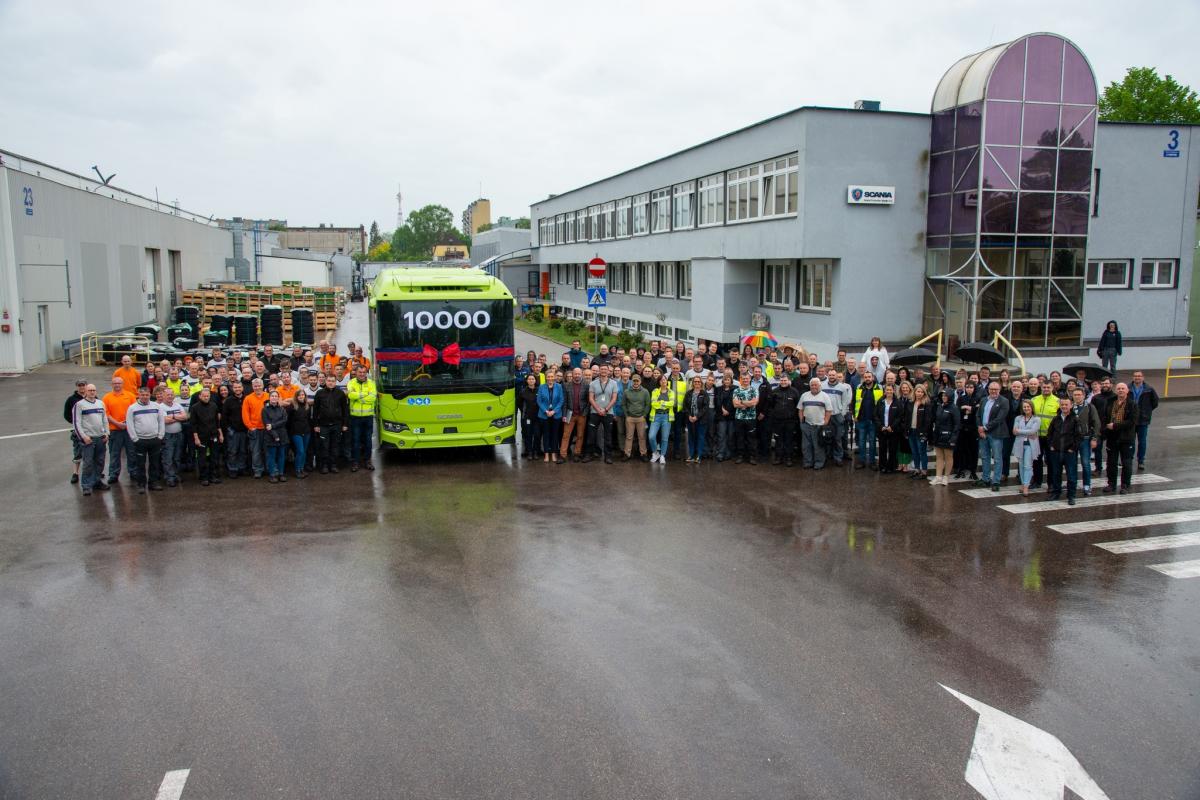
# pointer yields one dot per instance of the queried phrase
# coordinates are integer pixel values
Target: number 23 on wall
(28, 201)
(1172, 150)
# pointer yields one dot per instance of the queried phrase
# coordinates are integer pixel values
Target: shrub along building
(1008, 208)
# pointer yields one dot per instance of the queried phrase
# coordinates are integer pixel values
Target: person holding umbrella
(1110, 346)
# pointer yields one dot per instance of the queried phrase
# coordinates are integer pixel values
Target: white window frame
(1157, 266)
(683, 335)
(581, 232)
(776, 289)
(641, 214)
(785, 170)
(646, 327)
(594, 223)
(660, 210)
(628, 324)
(663, 330)
(615, 274)
(570, 227)
(609, 213)
(560, 228)
(710, 201)
(1094, 277)
(809, 271)
(630, 279)
(742, 189)
(664, 278)
(623, 206)
(646, 278)
(683, 206)
(580, 274)
(683, 280)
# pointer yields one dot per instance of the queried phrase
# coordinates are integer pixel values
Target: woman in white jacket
(876, 349)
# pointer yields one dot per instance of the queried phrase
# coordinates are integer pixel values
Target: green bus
(443, 344)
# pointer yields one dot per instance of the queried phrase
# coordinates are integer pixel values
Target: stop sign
(597, 267)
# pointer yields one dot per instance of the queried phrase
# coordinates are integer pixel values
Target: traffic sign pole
(597, 269)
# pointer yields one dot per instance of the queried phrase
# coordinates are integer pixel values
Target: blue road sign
(597, 297)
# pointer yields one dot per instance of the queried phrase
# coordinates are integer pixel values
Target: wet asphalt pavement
(472, 625)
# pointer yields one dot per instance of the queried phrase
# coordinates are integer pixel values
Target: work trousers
(551, 429)
(601, 426)
(660, 434)
(235, 451)
(992, 450)
(678, 429)
(618, 431)
(187, 455)
(530, 441)
(91, 462)
(864, 435)
(361, 435)
(577, 426)
(966, 450)
(146, 466)
(743, 436)
(944, 456)
(812, 448)
(171, 452)
(1120, 456)
(256, 448)
(118, 443)
(836, 449)
(329, 442)
(889, 447)
(635, 427)
(1057, 462)
(764, 430)
(208, 459)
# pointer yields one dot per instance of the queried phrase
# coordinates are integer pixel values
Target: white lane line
(1179, 569)
(35, 433)
(1181, 427)
(1010, 491)
(172, 785)
(1120, 523)
(1103, 500)
(1152, 543)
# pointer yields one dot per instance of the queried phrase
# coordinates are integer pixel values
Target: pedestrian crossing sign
(597, 297)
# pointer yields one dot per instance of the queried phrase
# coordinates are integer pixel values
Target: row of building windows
(766, 190)
(671, 279)
(805, 287)
(1156, 273)
(645, 327)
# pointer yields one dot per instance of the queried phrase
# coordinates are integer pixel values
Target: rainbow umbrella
(760, 339)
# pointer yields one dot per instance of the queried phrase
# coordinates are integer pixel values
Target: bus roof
(411, 283)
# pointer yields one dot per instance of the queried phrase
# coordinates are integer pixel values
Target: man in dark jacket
(235, 431)
(782, 405)
(1089, 420)
(1120, 430)
(69, 416)
(1147, 400)
(204, 414)
(1063, 440)
(331, 421)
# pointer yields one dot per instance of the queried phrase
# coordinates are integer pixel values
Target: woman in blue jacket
(550, 405)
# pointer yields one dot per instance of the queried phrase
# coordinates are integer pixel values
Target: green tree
(414, 240)
(522, 223)
(1145, 97)
(487, 226)
(375, 238)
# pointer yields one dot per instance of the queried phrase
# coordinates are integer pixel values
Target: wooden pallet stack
(328, 305)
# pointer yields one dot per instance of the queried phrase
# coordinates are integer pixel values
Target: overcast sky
(317, 112)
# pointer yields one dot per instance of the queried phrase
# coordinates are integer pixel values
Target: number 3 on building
(1174, 143)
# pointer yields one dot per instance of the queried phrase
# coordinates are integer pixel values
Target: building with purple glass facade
(1008, 208)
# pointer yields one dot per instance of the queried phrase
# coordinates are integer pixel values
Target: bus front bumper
(407, 440)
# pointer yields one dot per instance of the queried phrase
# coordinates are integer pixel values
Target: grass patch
(587, 339)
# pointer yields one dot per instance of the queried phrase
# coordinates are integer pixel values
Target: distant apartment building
(325, 239)
(478, 213)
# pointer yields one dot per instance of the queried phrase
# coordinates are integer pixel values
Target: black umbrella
(980, 353)
(1094, 371)
(913, 356)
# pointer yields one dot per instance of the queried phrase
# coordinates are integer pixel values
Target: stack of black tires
(302, 326)
(245, 330)
(271, 324)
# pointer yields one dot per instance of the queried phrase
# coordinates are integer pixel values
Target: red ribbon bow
(450, 355)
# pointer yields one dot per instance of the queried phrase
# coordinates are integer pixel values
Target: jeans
(660, 427)
(171, 452)
(1025, 467)
(551, 428)
(993, 451)
(724, 437)
(276, 454)
(300, 451)
(235, 450)
(1057, 462)
(1143, 432)
(146, 451)
(864, 432)
(255, 445)
(91, 462)
(119, 442)
(919, 448)
(361, 434)
(208, 459)
(810, 445)
(677, 429)
(696, 432)
(1009, 443)
(836, 450)
(1108, 360)
(1085, 463)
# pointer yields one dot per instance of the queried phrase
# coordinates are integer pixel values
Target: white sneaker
(654, 458)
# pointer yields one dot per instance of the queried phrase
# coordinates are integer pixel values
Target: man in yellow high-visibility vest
(361, 394)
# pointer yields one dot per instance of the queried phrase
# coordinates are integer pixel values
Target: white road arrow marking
(1013, 760)
(172, 785)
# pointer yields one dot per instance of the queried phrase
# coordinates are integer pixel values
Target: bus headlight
(503, 422)
(394, 427)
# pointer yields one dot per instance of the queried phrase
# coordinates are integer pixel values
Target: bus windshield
(444, 345)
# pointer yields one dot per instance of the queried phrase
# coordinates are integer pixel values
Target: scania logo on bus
(871, 195)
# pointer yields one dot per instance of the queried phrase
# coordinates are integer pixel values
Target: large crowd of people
(248, 414)
(271, 413)
(787, 407)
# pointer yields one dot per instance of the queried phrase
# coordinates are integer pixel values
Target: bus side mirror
(371, 302)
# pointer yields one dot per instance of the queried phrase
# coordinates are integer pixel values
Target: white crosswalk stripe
(1179, 569)
(1010, 491)
(1152, 543)
(1103, 500)
(1120, 523)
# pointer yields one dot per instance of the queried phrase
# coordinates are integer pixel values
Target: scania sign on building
(871, 195)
